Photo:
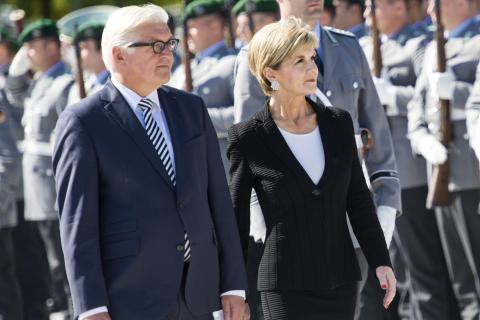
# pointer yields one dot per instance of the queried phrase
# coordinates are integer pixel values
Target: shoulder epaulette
(339, 31)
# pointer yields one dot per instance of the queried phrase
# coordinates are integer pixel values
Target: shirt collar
(357, 28)
(57, 66)
(132, 97)
(459, 30)
(210, 50)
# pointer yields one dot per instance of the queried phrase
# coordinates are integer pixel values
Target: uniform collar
(210, 50)
(54, 69)
(460, 30)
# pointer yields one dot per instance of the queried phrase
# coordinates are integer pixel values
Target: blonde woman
(301, 159)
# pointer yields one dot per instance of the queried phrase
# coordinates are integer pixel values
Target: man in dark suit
(146, 220)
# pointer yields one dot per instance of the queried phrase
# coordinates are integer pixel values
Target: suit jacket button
(180, 247)
(316, 192)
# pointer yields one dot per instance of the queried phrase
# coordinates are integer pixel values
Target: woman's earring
(275, 85)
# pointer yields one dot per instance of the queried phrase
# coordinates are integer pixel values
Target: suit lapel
(124, 116)
(272, 137)
(169, 105)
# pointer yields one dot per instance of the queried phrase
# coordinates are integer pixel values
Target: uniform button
(329, 93)
(49, 172)
(180, 247)
(316, 192)
(355, 85)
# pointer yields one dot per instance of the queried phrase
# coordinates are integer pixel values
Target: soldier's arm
(473, 115)
(248, 97)
(16, 89)
(380, 161)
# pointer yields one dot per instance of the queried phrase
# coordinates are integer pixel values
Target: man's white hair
(121, 25)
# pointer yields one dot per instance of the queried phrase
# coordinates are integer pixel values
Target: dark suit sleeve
(233, 274)
(361, 209)
(241, 183)
(76, 178)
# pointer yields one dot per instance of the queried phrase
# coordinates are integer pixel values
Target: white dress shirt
(133, 99)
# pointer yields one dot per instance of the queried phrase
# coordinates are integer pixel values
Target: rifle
(228, 20)
(377, 51)
(249, 7)
(438, 194)
(186, 55)
(79, 75)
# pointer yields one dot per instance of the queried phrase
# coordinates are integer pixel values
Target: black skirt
(335, 304)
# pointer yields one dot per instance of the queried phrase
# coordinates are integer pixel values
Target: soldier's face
(345, 14)
(38, 53)
(90, 54)
(307, 10)
(204, 31)
(390, 13)
(297, 75)
(259, 20)
(143, 66)
(453, 12)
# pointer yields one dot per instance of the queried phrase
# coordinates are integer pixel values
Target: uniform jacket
(463, 54)
(348, 84)
(473, 112)
(122, 221)
(400, 56)
(213, 80)
(46, 99)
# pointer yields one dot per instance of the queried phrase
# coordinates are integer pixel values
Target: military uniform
(473, 115)
(45, 100)
(212, 74)
(458, 222)
(417, 240)
(10, 299)
(95, 82)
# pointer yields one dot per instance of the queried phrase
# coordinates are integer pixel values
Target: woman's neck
(293, 114)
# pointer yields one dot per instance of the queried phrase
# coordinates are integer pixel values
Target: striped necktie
(160, 144)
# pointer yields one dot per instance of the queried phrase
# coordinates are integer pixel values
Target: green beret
(5, 36)
(43, 28)
(328, 4)
(269, 6)
(360, 2)
(89, 30)
(198, 8)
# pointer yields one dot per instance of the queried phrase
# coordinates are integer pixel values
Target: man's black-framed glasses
(158, 45)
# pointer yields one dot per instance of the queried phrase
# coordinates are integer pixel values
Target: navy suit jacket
(122, 221)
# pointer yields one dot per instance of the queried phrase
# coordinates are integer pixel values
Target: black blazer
(308, 245)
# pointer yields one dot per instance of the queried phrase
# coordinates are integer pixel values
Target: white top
(308, 149)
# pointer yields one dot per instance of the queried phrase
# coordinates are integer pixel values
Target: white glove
(20, 63)
(386, 91)
(475, 143)
(432, 150)
(442, 85)
(386, 216)
(258, 229)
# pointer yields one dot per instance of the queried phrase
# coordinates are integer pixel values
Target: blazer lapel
(175, 123)
(124, 116)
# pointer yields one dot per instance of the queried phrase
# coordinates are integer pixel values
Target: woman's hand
(388, 282)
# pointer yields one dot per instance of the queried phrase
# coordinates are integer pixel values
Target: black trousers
(10, 297)
(338, 304)
(180, 310)
(459, 225)
(253, 295)
(31, 268)
(59, 289)
(431, 296)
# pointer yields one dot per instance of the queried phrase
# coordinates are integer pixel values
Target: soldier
(89, 37)
(344, 77)
(473, 115)
(417, 235)
(349, 16)
(328, 14)
(458, 222)
(10, 298)
(212, 68)
(46, 98)
(262, 12)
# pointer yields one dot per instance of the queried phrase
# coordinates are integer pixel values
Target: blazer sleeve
(361, 209)
(241, 183)
(76, 177)
(232, 270)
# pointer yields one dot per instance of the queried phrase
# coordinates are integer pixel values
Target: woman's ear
(269, 73)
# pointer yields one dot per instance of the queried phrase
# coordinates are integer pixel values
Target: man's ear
(118, 55)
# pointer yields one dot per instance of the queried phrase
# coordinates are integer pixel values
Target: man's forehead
(153, 30)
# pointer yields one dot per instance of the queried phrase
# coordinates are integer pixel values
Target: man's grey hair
(121, 25)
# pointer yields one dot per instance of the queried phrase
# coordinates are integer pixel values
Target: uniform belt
(38, 148)
(457, 114)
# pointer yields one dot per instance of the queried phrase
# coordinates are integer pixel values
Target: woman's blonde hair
(276, 42)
